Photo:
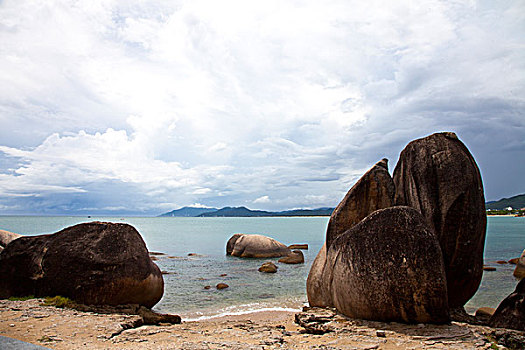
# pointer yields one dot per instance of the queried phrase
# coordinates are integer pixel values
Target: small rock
(207, 287)
(222, 286)
(150, 317)
(485, 312)
(268, 267)
(488, 268)
(501, 262)
(296, 257)
(298, 246)
(513, 261)
(224, 275)
(156, 253)
(380, 333)
(11, 325)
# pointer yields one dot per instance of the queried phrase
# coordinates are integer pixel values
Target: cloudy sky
(142, 107)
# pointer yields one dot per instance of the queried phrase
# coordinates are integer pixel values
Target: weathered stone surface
(316, 321)
(6, 237)
(317, 290)
(438, 176)
(268, 267)
(511, 311)
(519, 270)
(255, 246)
(388, 267)
(295, 257)
(91, 263)
(374, 190)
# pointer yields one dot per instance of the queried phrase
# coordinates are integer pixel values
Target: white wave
(240, 310)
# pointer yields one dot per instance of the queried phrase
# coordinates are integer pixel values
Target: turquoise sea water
(250, 290)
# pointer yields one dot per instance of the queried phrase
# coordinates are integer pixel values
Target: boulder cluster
(409, 247)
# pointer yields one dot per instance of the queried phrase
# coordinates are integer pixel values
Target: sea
(195, 256)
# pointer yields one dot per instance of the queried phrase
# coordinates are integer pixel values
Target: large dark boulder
(438, 176)
(93, 263)
(373, 191)
(511, 311)
(388, 267)
(255, 246)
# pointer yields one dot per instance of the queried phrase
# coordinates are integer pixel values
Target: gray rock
(7, 343)
(438, 176)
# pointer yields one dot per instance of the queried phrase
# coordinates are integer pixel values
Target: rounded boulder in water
(255, 246)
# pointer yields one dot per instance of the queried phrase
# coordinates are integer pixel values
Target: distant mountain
(236, 212)
(244, 212)
(516, 202)
(188, 212)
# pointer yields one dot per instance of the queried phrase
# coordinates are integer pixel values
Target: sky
(138, 108)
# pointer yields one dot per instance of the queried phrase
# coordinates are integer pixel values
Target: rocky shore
(58, 328)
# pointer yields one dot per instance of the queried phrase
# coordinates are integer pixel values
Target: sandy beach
(57, 328)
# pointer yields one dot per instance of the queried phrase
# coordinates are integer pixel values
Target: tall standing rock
(373, 191)
(438, 176)
(388, 267)
(96, 263)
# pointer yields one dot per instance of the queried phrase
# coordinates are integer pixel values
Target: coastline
(56, 328)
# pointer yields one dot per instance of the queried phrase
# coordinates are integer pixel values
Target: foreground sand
(70, 329)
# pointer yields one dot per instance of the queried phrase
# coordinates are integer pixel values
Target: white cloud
(221, 102)
(263, 199)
